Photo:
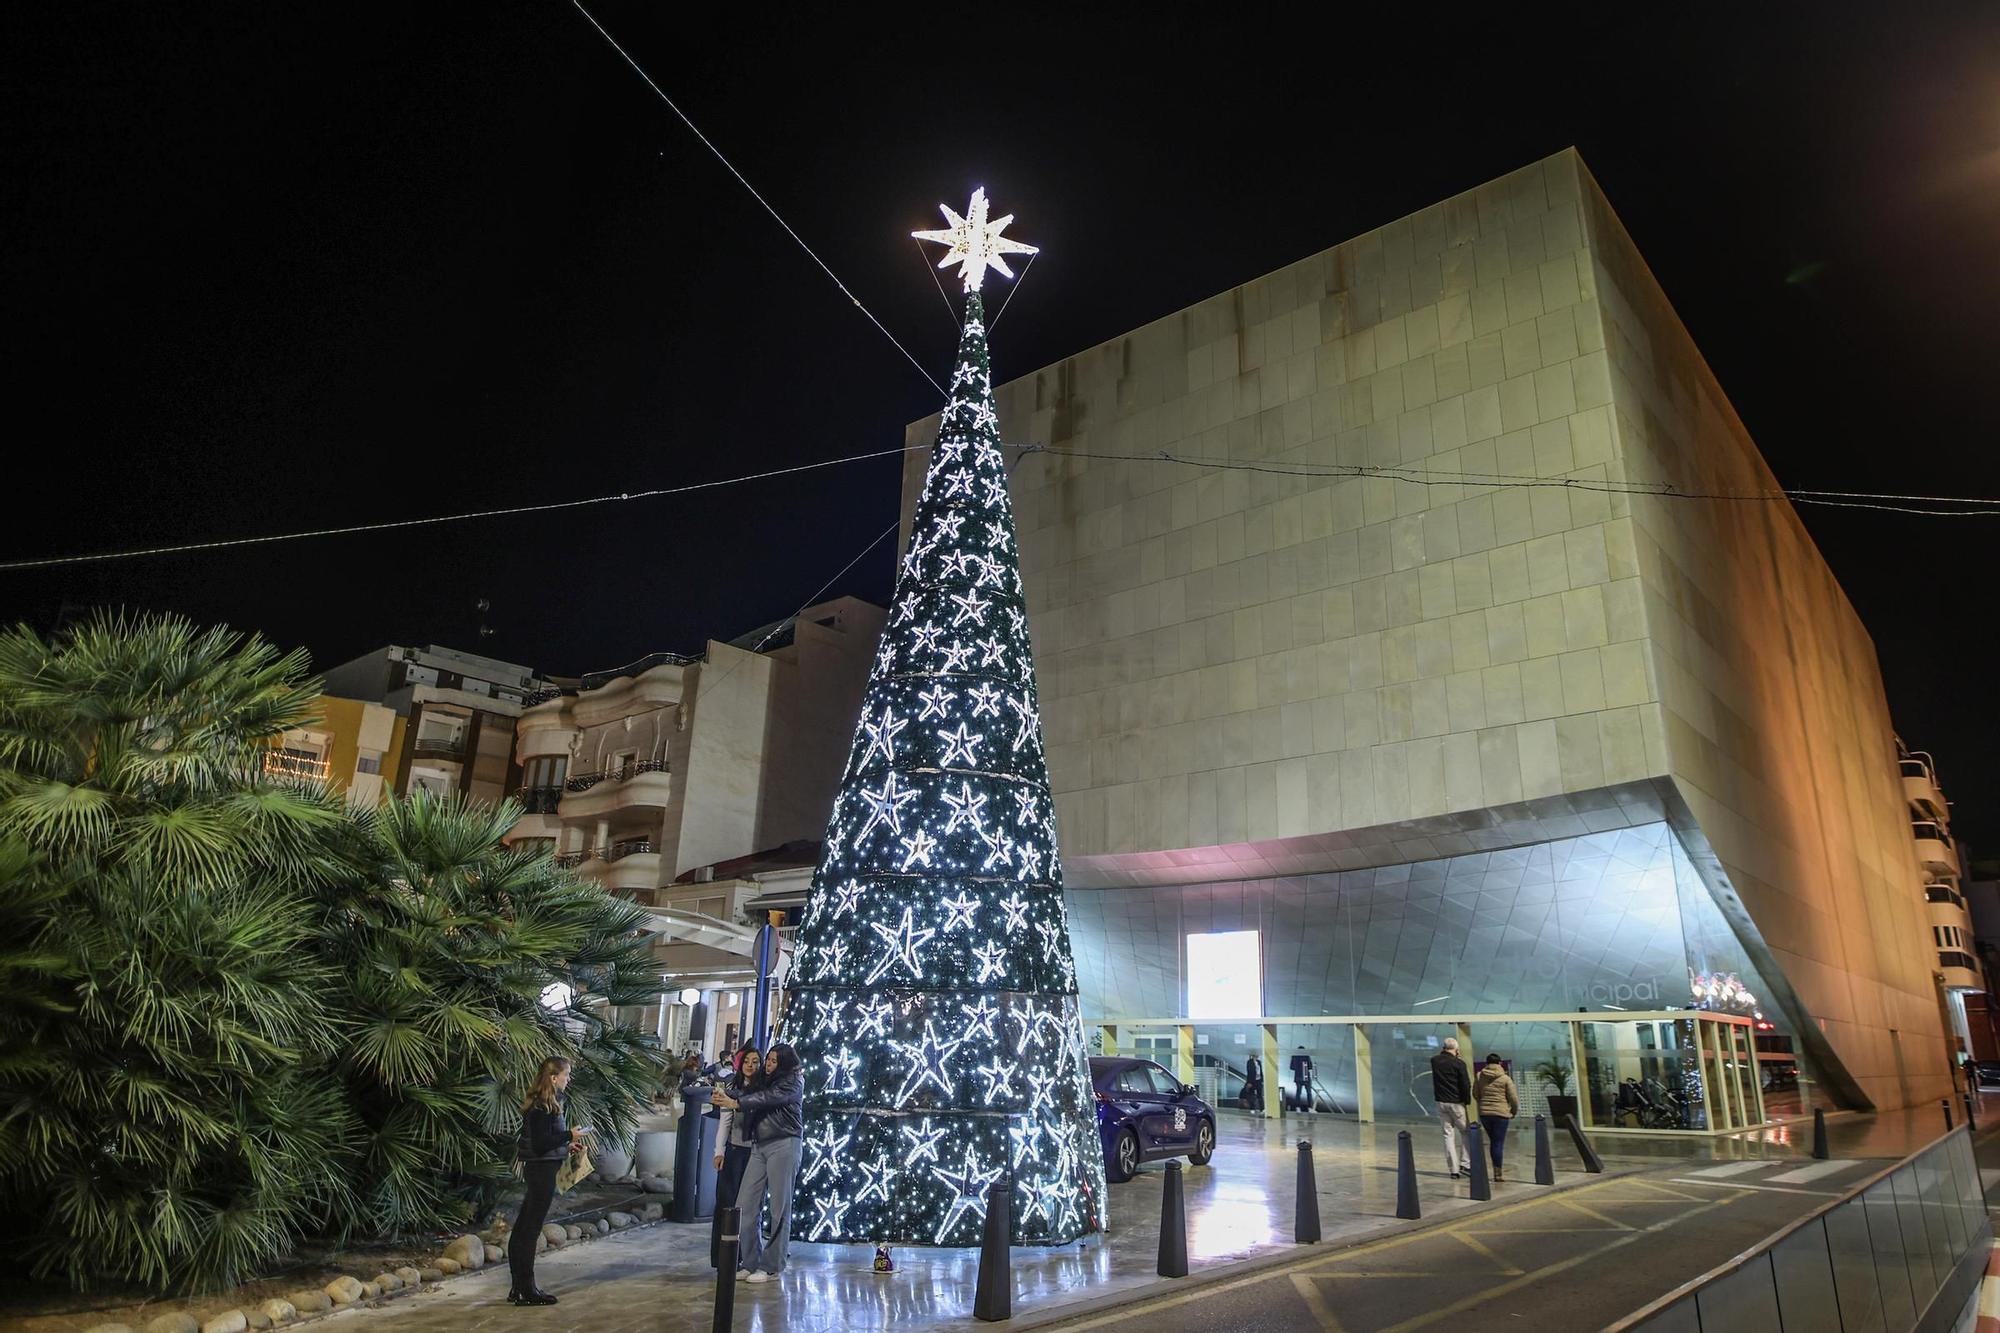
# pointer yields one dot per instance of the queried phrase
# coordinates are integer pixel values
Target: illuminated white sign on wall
(1225, 975)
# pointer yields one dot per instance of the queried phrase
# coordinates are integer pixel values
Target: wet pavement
(1239, 1208)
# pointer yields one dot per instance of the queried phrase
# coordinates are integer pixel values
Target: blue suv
(1144, 1114)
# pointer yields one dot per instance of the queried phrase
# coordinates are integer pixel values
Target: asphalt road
(1555, 1262)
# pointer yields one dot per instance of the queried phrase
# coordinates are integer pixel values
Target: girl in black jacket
(774, 1107)
(546, 1139)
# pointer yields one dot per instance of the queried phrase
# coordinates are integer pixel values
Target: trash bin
(694, 1159)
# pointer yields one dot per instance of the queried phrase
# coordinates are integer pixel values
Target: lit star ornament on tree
(934, 993)
(975, 246)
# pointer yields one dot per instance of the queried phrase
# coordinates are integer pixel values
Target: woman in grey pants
(774, 1107)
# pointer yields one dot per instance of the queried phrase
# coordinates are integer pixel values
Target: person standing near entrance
(1451, 1086)
(1253, 1086)
(1302, 1077)
(1499, 1102)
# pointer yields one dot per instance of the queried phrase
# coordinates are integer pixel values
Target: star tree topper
(976, 244)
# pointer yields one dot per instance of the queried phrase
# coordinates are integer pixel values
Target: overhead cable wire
(744, 181)
(1967, 505)
(224, 542)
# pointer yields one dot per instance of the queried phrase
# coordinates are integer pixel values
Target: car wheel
(1124, 1158)
(1204, 1144)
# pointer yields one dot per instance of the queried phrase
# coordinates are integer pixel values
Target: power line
(693, 128)
(1969, 506)
(221, 543)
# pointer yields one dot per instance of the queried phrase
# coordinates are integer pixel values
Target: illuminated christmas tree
(933, 993)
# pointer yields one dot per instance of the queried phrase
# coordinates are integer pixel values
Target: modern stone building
(1423, 693)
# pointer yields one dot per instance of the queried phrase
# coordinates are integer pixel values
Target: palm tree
(464, 964)
(162, 1014)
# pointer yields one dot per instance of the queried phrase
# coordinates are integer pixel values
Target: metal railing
(618, 851)
(539, 800)
(585, 781)
(646, 663)
(1902, 1250)
(452, 745)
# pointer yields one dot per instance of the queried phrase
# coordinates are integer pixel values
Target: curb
(1259, 1264)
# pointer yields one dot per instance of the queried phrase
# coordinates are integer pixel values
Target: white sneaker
(761, 1276)
(742, 1275)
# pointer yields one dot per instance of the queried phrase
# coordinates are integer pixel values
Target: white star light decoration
(975, 244)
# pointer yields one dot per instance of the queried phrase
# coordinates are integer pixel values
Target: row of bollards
(993, 1298)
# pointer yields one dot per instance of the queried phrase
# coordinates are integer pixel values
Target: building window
(368, 763)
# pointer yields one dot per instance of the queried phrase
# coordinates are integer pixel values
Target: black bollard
(1305, 1219)
(1820, 1150)
(1173, 1225)
(1406, 1178)
(1944, 1103)
(1583, 1148)
(993, 1296)
(1475, 1139)
(725, 1270)
(1545, 1165)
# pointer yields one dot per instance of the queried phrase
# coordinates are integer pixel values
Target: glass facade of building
(1607, 922)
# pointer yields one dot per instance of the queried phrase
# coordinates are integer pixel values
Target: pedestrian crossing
(1781, 1173)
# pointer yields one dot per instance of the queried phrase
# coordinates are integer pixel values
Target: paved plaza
(1239, 1209)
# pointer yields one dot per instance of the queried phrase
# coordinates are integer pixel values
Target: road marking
(1729, 1169)
(1810, 1172)
(1561, 1265)
(1316, 1304)
(1745, 1185)
(1611, 1222)
(1480, 1247)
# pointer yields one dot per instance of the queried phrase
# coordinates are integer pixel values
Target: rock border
(469, 1253)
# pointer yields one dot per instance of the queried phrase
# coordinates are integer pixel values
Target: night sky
(272, 267)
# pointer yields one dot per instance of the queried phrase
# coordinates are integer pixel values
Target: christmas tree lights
(933, 992)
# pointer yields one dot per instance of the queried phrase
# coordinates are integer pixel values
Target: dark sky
(278, 266)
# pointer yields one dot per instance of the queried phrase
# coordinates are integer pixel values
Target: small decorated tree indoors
(933, 994)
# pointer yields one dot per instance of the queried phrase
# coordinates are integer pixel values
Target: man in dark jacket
(1302, 1077)
(1451, 1086)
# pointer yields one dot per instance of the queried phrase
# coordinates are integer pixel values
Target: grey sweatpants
(773, 1166)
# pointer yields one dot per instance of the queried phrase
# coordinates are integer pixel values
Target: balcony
(441, 746)
(293, 766)
(1920, 787)
(1934, 848)
(539, 800)
(640, 785)
(1945, 894)
(1960, 969)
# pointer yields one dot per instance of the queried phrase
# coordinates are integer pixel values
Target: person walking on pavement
(1253, 1086)
(775, 1108)
(1499, 1102)
(546, 1139)
(732, 1143)
(1451, 1086)
(1302, 1075)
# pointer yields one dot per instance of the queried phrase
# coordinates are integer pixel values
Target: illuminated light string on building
(933, 991)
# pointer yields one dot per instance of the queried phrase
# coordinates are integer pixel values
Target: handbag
(574, 1168)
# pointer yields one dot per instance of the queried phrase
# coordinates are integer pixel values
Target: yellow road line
(1480, 1247)
(1316, 1304)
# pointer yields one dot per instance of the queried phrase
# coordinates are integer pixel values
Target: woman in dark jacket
(775, 1110)
(546, 1139)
